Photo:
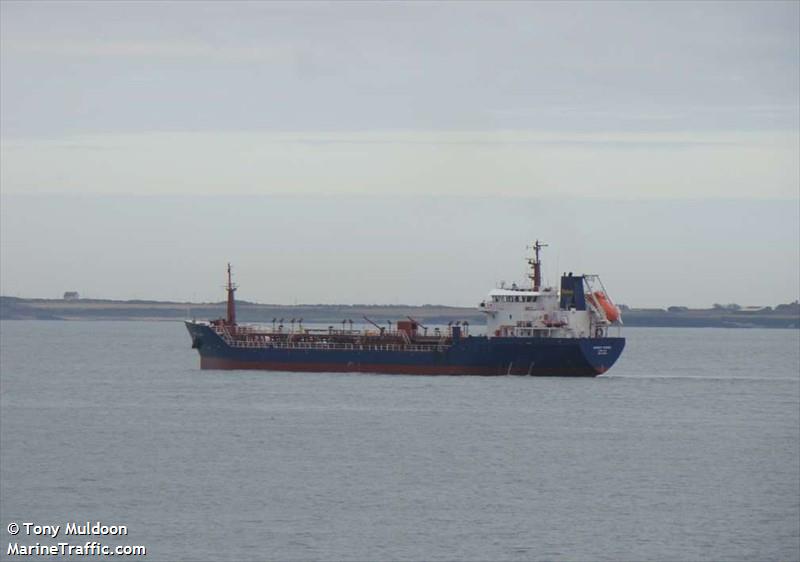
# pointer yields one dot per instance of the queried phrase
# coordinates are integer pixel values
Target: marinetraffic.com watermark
(73, 538)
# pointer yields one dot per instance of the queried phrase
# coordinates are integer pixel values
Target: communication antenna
(536, 264)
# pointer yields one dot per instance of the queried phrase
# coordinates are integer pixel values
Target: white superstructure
(584, 311)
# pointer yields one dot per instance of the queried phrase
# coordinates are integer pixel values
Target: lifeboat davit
(612, 312)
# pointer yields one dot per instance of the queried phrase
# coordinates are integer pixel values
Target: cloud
(161, 49)
(502, 164)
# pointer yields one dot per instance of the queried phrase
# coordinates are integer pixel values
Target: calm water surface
(687, 450)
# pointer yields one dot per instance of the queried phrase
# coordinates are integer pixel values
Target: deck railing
(329, 346)
(260, 341)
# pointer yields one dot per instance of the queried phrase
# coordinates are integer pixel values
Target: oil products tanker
(530, 330)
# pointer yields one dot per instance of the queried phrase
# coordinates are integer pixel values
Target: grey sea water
(687, 450)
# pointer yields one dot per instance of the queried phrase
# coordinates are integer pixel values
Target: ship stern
(602, 353)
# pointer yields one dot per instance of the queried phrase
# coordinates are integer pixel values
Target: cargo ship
(530, 330)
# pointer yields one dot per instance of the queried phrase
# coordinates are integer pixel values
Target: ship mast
(231, 303)
(536, 264)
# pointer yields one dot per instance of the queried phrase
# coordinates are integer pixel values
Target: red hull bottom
(229, 364)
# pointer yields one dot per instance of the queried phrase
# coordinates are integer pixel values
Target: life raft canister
(612, 312)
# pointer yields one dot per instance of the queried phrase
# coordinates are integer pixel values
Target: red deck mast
(231, 302)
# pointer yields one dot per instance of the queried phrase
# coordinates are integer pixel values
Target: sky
(399, 152)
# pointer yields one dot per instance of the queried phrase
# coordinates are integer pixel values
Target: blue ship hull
(472, 355)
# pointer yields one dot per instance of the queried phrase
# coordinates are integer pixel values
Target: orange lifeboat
(612, 312)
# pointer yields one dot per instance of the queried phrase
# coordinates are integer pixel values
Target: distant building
(71, 296)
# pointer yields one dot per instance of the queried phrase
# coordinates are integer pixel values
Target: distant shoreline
(13, 308)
